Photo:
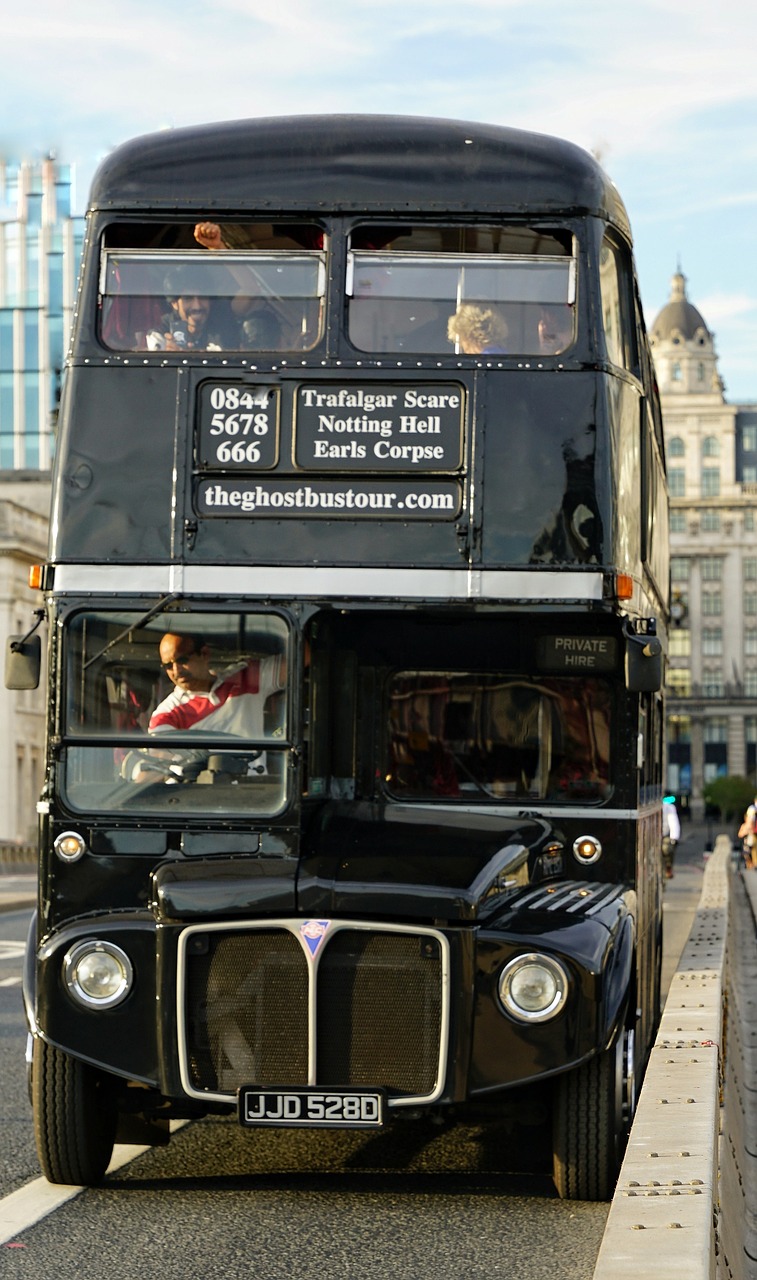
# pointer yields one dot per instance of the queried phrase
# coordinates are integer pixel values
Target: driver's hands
(140, 766)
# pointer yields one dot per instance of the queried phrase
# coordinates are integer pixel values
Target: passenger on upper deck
(555, 329)
(195, 321)
(261, 328)
(477, 330)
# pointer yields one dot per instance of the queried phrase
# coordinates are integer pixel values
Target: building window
(750, 684)
(749, 475)
(678, 522)
(676, 447)
(711, 568)
(675, 372)
(750, 739)
(712, 684)
(710, 447)
(710, 482)
(680, 729)
(679, 681)
(749, 603)
(677, 482)
(715, 733)
(748, 522)
(750, 568)
(750, 642)
(679, 568)
(749, 439)
(715, 730)
(700, 372)
(679, 642)
(712, 604)
(712, 642)
(710, 521)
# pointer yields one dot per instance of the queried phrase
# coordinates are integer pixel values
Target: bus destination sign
(379, 427)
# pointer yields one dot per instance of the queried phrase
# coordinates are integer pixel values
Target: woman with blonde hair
(477, 330)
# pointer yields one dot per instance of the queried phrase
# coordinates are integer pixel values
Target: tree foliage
(731, 795)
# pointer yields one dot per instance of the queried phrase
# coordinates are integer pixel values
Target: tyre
(74, 1117)
(592, 1111)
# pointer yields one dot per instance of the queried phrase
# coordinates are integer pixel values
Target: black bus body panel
(549, 449)
(381, 163)
(486, 918)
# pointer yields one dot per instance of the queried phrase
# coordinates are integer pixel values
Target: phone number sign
(238, 426)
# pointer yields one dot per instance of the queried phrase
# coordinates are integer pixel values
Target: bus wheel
(74, 1117)
(592, 1110)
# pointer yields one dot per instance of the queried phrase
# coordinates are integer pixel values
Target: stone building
(712, 467)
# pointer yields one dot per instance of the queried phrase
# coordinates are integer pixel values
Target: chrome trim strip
(535, 811)
(357, 582)
(294, 927)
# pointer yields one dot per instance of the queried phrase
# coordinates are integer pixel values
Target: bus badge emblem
(313, 932)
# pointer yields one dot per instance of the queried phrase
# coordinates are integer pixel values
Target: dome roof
(678, 315)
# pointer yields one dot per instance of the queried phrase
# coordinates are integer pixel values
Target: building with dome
(712, 468)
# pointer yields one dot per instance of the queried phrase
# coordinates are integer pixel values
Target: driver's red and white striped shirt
(234, 704)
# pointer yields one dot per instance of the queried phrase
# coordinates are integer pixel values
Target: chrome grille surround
(313, 1002)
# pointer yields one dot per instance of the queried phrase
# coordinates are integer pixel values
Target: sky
(663, 92)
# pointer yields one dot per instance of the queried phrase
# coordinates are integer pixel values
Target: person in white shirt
(671, 826)
(231, 700)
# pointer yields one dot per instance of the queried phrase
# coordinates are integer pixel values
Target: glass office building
(40, 249)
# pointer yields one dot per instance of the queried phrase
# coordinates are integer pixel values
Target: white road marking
(10, 982)
(37, 1200)
(12, 950)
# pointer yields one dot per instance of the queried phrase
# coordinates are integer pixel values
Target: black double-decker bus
(355, 600)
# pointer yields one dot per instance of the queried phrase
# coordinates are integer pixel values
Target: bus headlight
(533, 987)
(98, 974)
(587, 849)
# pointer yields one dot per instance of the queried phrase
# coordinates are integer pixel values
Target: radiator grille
(378, 1003)
(379, 1011)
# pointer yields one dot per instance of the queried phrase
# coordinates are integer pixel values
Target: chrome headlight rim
(91, 947)
(586, 860)
(553, 967)
(70, 846)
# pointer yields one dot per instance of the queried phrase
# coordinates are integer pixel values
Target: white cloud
(727, 308)
(666, 93)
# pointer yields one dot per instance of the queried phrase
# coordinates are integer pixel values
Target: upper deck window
(241, 288)
(465, 290)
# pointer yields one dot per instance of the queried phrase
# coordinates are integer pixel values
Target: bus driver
(229, 701)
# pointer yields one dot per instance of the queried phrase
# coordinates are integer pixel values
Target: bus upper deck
(295, 342)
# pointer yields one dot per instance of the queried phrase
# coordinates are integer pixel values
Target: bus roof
(355, 164)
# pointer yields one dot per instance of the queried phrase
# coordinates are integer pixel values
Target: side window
(617, 305)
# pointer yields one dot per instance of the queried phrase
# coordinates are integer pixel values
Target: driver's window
(156, 686)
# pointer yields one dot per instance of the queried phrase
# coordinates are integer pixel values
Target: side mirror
(23, 661)
(643, 664)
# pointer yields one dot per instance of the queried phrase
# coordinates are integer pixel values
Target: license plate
(312, 1108)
